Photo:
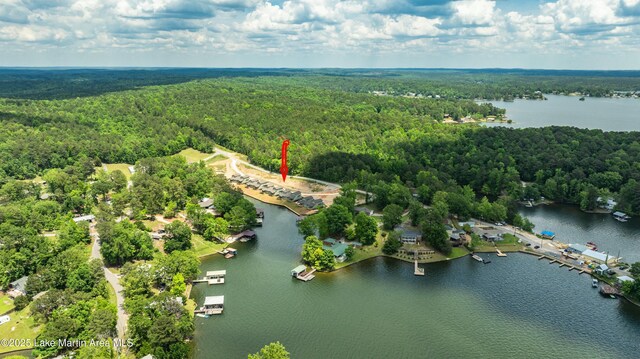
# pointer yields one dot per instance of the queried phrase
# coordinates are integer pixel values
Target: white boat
(202, 315)
(478, 258)
(594, 283)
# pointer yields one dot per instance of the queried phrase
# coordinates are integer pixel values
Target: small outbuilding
(625, 278)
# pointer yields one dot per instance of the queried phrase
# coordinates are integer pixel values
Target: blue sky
(561, 34)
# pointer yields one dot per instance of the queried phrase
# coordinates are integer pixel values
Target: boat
(594, 283)
(477, 257)
(202, 315)
(581, 99)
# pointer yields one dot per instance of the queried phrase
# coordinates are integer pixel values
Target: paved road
(114, 281)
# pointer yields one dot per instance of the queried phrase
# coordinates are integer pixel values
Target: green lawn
(193, 155)
(217, 158)
(21, 326)
(123, 167)
(365, 252)
(112, 295)
(203, 247)
(6, 304)
(457, 252)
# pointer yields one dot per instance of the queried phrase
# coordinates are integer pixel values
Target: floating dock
(500, 254)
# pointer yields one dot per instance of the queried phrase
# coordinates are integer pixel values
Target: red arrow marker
(283, 166)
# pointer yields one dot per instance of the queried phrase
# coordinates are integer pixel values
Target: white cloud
(347, 28)
(473, 12)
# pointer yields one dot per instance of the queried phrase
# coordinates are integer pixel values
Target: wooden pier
(500, 254)
(213, 277)
(417, 270)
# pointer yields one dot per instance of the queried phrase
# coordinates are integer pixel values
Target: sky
(562, 34)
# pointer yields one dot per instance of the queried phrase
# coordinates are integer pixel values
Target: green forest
(337, 133)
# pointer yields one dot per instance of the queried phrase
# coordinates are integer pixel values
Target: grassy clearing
(123, 167)
(6, 304)
(203, 247)
(192, 155)
(21, 326)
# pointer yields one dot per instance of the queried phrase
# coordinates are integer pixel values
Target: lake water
(571, 225)
(608, 114)
(514, 307)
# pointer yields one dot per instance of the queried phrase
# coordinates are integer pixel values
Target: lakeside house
(206, 203)
(607, 204)
(492, 235)
(408, 235)
(337, 248)
(18, 287)
(85, 218)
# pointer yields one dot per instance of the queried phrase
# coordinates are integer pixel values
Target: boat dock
(500, 254)
(608, 290)
(242, 236)
(302, 273)
(228, 252)
(212, 305)
(213, 277)
(417, 270)
(562, 263)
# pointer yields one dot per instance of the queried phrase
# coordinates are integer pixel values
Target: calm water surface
(571, 225)
(608, 114)
(515, 307)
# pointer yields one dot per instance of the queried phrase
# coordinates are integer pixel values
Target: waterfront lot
(21, 326)
(6, 304)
